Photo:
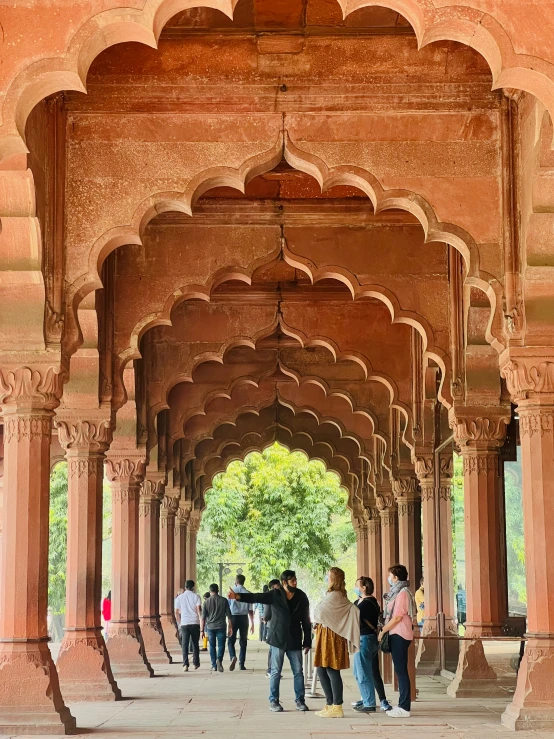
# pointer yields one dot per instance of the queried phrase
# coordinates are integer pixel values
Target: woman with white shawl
(337, 636)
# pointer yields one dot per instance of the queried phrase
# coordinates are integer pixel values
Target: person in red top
(107, 608)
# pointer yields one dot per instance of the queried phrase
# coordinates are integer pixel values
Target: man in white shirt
(188, 608)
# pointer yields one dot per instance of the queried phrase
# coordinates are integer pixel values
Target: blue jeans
(220, 635)
(363, 668)
(277, 660)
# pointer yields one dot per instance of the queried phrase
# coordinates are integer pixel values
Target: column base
(169, 628)
(428, 652)
(428, 657)
(84, 668)
(30, 697)
(532, 708)
(126, 649)
(154, 642)
(474, 678)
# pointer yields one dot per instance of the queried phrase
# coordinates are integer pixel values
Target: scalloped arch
(292, 445)
(460, 22)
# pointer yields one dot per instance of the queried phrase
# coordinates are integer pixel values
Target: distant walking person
(260, 609)
(289, 631)
(461, 605)
(188, 607)
(337, 636)
(420, 603)
(240, 613)
(107, 609)
(216, 623)
(400, 611)
(273, 584)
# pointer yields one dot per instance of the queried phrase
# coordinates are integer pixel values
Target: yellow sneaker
(335, 712)
(325, 712)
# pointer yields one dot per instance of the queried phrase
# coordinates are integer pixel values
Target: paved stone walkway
(200, 705)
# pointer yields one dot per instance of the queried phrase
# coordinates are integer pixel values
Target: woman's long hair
(337, 580)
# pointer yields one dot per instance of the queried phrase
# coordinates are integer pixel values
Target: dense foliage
(58, 539)
(273, 511)
(57, 555)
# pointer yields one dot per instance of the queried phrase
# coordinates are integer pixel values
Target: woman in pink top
(400, 609)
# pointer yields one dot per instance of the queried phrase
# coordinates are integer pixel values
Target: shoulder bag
(384, 644)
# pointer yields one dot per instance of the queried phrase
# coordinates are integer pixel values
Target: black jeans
(331, 682)
(399, 651)
(240, 627)
(377, 679)
(190, 633)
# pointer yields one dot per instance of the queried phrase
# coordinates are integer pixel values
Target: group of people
(342, 630)
(217, 618)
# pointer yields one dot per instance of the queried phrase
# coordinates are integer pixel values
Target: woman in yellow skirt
(337, 637)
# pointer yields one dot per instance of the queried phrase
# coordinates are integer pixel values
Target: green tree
(273, 511)
(57, 555)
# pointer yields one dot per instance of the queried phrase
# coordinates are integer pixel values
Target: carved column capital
(405, 487)
(152, 490)
(92, 435)
(527, 377)
(168, 510)
(34, 387)
(194, 522)
(479, 428)
(424, 465)
(125, 467)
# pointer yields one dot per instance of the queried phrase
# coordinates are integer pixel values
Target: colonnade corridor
(200, 705)
(226, 224)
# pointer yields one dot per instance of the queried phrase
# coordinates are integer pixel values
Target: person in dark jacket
(275, 583)
(289, 631)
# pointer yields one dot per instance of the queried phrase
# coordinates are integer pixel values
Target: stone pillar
(409, 526)
(389, 556)
(30, 697)
(362, 552)
(126, 472)
(409, 547)
(449, 626)
(480, 433)
(148, 573)
(388, 513)
(83, 664)
(192, 533)
(167, 563)
(374, 553)
(531, 384)
(180, 573)
(436, 505)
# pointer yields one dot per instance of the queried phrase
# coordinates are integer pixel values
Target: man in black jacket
(289, 631)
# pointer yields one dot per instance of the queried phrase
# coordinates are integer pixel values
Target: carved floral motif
(482, 464)
(472, 430)
(524, 377)
(32, 387)
(125, 468)
(536, 421)
(79, 466)
(18, 427)
(84, 434)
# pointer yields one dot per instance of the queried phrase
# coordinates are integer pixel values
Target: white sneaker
(398, 713)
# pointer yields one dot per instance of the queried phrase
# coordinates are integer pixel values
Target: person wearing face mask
(366, 661)
(289, 632)
(400, 611)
